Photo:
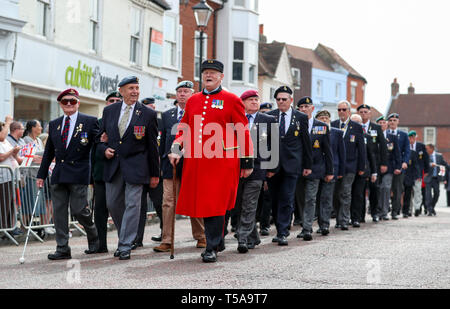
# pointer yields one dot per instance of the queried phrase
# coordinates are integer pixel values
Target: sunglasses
(114, 100)
(282, 99)
(69, 101)
(342, 109)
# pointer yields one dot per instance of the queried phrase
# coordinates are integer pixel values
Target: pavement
(411, 253)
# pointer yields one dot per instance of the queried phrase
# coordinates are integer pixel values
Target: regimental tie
(124, 121)
(342, 125)
(65, 132)
(249, 117)
(180, 115)
(283, 125)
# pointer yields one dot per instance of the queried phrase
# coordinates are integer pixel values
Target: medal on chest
(217, 104)
(139, 132)
(84, 138)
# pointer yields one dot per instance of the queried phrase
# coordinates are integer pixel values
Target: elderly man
(295, 153)
(132, 160)
(355, 162)
(70, 142)
(432, 179)
(170, 119)
(211, 168)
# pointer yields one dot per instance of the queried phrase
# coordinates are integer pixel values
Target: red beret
(69, 91)
(249, 94)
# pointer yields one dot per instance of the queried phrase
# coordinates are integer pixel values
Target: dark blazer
(377, 144)
(295, 146)
(370, 166)
(338, 151)
(394, 156)
(413, 172)
(261, 133)
(424, 158)
(403, 142)
(169, 119)
(136, 155)
(439, 161)
(321, 151)
(97, 162)
(354, 147)
(72, 164)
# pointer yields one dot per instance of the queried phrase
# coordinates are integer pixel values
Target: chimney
(411, 89)
(261, 29)
(262, 37)
(395, 88)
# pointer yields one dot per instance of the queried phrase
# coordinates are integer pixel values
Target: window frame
(297, 82)
(319, 90)
(239, 61)
(425, 135)
(94, 35)
(172, 43)
(43, 26)
(136, 37)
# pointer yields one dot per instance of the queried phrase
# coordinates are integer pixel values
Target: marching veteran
(213, 162)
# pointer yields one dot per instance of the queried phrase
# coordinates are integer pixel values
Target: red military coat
(212, 153)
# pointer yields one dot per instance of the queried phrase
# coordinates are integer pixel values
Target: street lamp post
(202, 14)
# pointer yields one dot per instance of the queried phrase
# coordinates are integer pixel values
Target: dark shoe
(102, 250)
(385, 218)
(405, 216)
(302, 233)
(117, 253)
(136, 245)
(236, 235)
(253, 245)
(319, 231)
(221, 247)
(162, 248)
(209, 257)
(325, 232)
(283, 241)
(375, 219)
(125, 255)
(356, 224)
(344, 228)
(92, 247)
(307, 236)
(417, 213)
(242, 248)
(338, 226)
(430, 215)
(363, 221)
(233, 229)
(60, 256)
(276, 239)
(394, 217)
(297, 222)
(157, 238)
(264, 232)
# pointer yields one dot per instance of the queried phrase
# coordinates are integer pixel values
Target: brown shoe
(201, 243)
(162, 248)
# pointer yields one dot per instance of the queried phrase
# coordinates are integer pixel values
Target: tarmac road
(408, 253)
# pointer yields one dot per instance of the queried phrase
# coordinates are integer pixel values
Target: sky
(381, 39)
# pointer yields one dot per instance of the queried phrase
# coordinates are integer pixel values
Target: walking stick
(22, 259)
(174, 187)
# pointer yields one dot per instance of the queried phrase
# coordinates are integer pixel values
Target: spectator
(8, 157)
(14, 137)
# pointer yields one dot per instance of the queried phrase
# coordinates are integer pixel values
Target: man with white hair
(355, 162)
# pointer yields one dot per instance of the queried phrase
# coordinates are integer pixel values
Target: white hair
(357, 118)
(346, 103)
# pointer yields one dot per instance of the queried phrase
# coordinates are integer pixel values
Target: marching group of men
(282, 164)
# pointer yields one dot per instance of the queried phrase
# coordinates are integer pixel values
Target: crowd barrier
(18, 192)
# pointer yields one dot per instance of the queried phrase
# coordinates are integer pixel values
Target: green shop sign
(86, 78)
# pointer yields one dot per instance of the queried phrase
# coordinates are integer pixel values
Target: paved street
(408, 253)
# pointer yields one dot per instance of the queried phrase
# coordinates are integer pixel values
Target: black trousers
(358, 204)
(407, 200)
(397, 191)
(299, 201)
(214, 228)
(101, 213)
(264, 209)
(374, 196)
(448, 198)
(156, 195)
(432, 194)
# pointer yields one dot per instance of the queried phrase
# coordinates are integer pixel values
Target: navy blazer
(72, 164)
(413, 172)
(394, 155)
(403, 142)
(169, 119)
(439, 161)
(338, 151)
(424, 158)
(370, 159)
(321, 151)
(295, 146)
(377, 144)
(136, 153)
(354, 147)
(261, 134)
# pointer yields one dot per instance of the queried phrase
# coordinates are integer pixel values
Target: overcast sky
(381, 39)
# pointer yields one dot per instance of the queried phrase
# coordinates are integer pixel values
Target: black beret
(147, 101)
(113, 94)
(323, 112)
(393, 115)
(266, 105)
(283, 89)
(363, 106)
(129, 80)
(213, 65)
(69, 91)
(305, 100)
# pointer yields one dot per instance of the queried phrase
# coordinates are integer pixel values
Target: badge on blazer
(352, 138)
(390, 146)
(373, 133)
(421, 155)
(217, 104)
(78, 129)
(316, 144)
(138, 112)
(84, 138)
(296, 133)
(319, 130)
(139, 132)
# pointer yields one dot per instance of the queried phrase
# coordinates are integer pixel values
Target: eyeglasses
(69, 101)
(282, 99)
(363, 112)
(114, 100)
(342, 109)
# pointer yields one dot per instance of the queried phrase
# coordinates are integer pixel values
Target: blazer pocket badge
(139, 132)
(296, 133)
(316, 144)
(352, 138)
(84, 138)
(78, 129)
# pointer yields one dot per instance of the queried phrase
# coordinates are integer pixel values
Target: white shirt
(73, 121)
(122, 111)
(10, 161)
(413, 146)
(366, 126)
(252, 119)
(310, 124)
(394, 132)
(287, 119)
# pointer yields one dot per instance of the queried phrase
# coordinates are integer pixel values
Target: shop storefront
(42, 70)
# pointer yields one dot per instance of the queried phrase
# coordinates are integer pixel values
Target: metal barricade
(8, 202)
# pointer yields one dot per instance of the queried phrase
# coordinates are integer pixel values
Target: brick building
(427, 114)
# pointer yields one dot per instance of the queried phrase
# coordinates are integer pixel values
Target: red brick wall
(359, 91)
(187, 20)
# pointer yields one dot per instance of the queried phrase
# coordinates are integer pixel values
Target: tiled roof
(309, 55)
(269, 57)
